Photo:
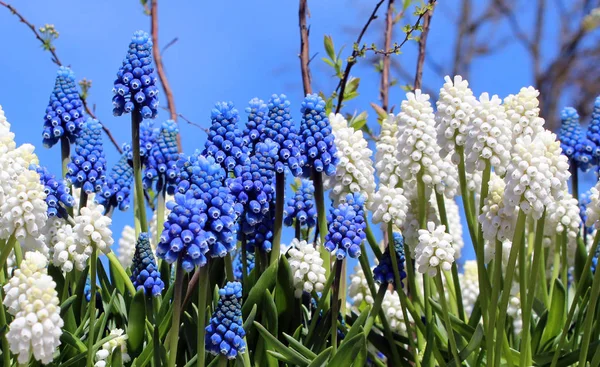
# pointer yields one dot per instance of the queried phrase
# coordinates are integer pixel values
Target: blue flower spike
(281, 129)
(570, 132)
(58, 196)
(588, 149)
(64, 114)
(225, 332)
(116, 191)
(145, 274)
(301, 207)
(346, 227)
(317, 137)
(258, 113)
(135, 86)
(87, 169)
(162, 159)
(384, 271)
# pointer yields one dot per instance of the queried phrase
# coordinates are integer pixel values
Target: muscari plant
(212, 284)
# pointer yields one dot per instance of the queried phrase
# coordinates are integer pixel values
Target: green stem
(18, 254)
(203, 286)
(481, 270)
(7, 248)
(335, 302)
(174, 333)
(465, 196)
(497, 282)
(136, 119)
(372, 241)
(278, 225)
(83, 197)
(589, 319)
(321, 218)
(510, 271)
(229, 268)
(116, 265)
(152, 310)
(446, 312)
(3, 321)
(375, 310)
(574, 180)
(92, 306)
(244, 263)
(531, 290)
(222, 361)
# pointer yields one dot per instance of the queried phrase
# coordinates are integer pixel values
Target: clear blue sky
(225, 51)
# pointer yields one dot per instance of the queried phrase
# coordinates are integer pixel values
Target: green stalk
(244, 263)
(8, 247)
(116, 265)
(510, 271)
(494, 300)
(578, 292)
(174, 333)
(321, 218)
(446, 312)
(372, 241)
(18, 254)
(335, 299)
(531, 289)
(152, 310)
(481, 270)
(229, 268)
(555, 263)
(203, 286)
(574, 180)
(222, 361)
(92, 306)
(589, 319)
(3, 321)
(278, 225)
(160, 210)
(375, 310)
(465, 195)
(136, 119)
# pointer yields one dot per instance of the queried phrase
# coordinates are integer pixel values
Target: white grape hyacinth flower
(386, 146)
(523, 111)
(126, 248)
(592, 211)
(489, 137)
(514, 309)
(469, 281)
(119, 341)
(454, 224)
(307, 268)
(563, 215)
(354, 171)
(435, 250)
(497, 221)
(12, 164)
(92, 228)
(455, 112)
(32, 299)
(389, 204)
(392, 309)
(358, 290)
(68, 253)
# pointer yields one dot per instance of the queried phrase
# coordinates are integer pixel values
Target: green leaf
(266, 281)
(328, 41)
(328, 62)
(358, 324)
(299, 347)
(284, 295)
(557, 313)
(472, 346)
(536, 336)
(66, 305)
(381, 114)
(116, 278)
(136, 322)
(581, 274)
(280, 356)
(269, 313)
(106, 288)
(116, 358)
(321, 359)
(69, 339)
(351, 86)
(250, 318)
(79, 289)
(289, 353)
(348, 351)
(78, 360)
(359, 121)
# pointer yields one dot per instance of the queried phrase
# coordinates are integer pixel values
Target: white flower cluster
(126, 248)
(32, 299)
(354, 171)
(523, 111)
(434, 250)
(497, 220)
(120, 341)
(455, 226)
(389, 205)
(13, 162)
(489, 136)
(455, 111)
(563, 215)
(410, 227)
(307, 268)
(592, 211)
(386, 160)
(537, 175)
(469, 282)
(358, 289)
(514, 309)
(69, 252)
(392, 308)
(92, 228)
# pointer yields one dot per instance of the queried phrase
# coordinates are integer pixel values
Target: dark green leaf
(348, 351)
(299, 347)
(358, 324)
(136, 323)
(266, 281)
(321, 359)
(66, 305)
(69, 339)
(284, 295)
(250, 318)
(116, 358)
(273, 342)
(116, 278)
(472, 346)
(79, 291)
(269, 312)
(557, 313)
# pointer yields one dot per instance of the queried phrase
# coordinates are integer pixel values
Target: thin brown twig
(160, 70)
(304, 47)
(422, 46)
(57, 61)
(168, 45)
(385, 72)
(193, 123)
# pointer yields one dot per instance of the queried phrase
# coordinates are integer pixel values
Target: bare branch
(304, 47)
(168, 45)
(422, 47)
(385, 72)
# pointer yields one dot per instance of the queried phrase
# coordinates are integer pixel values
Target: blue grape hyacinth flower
(238, 267)
(225, 332)
(161, 164)
(589, 148)
(346, 227)
(198, 172)
(384, 271)
(317, 137)
(145, 274)
(135, 86)
(570, 132)
(258, 113)
(64, 114)
(261, 237)
(87, 168)
(281, 129)
(58, 196)
(301, 207)
(116, 191)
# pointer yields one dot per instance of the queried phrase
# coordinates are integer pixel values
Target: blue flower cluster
(162, 160)
(281, 129)
(589, 148)
(64, 114)
(87, 168)
(198, 172)
(225, 140)
(135, 86)
(317, 137)
(262, 237)
(117, 188)
(148, 136)
(145, 274)
(57, 193)
(570, 132)
(258, 113)
(584, 201)
(384, 271)
(346, 227)
(225, 333)
(238, 266)
(301, 207)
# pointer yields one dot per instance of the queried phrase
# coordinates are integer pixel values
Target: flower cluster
(497, 220)
(358, 290)
(58, 195)
(346, 227)
(562, 216)
(93, 229)
(469, 282)
(135, 86)
(67, 251)
(238, 266)
(591, 144)
(126, 248)
(593, 209)
(301, 207)
(117, 187)
(145, 274)
(258, 113)
(87, 168)
(225, 140)
(317, 138)
(162, 159)
(64, 114)
(523, 111)
(307, 268)
(262, 237)
(384, 271)
(392, 309)
(225, 333)
(386, 160)
(32, 299)
(148, 137)
(434, 250)
(570, 135)
(119, 340)
(584, 202)
(389, 205)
